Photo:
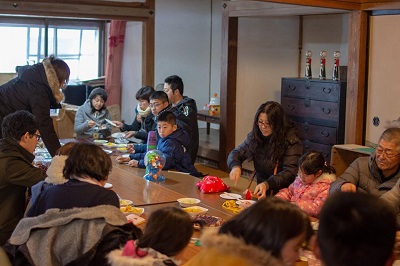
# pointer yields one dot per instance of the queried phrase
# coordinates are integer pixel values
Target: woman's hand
(261, 190)
(121, 159)
(91, 123)
(133, 163)
(235, 174)
(139, 118)
(119, 124)
(130, 134)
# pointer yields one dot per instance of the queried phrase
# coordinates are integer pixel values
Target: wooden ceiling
(243, 8)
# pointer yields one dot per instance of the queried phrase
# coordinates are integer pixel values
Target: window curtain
(114, 61)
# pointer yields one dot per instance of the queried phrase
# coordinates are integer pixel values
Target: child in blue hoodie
(173, 143)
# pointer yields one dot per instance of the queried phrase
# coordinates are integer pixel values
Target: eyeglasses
(155, 105)
(38, 137)
(389, 154)
(262, 123)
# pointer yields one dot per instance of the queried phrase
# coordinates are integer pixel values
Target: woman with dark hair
(92, 114)
(143, 122)
(274, 148)
(86, 168)
(167, 232)
(37, 89)
(268, 233)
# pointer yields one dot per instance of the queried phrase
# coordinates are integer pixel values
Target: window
(78, 43)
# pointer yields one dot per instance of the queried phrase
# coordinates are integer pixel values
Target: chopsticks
(251, 178)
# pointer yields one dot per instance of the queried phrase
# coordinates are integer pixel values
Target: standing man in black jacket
(173, 87)
(37, 89)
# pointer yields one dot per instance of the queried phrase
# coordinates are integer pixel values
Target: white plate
(245, 203)
(107, 151)
(231, 196)
(108, 185)
(118, 135)
(100, 141)
(110, 122)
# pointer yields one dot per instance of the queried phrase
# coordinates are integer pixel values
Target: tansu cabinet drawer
(318, 90)
(311, 108)
(316, 133)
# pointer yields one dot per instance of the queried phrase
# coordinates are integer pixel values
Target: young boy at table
(355, 229)
(173, 143)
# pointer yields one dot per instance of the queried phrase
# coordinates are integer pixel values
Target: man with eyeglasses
(20, 136)
(375, 174)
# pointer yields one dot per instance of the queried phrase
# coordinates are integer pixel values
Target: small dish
(230, 196)
(124, 202)
(108, 185)
(110, 145)
(107, 151)
(118, 135)
(245, 203)
(122, 149)
(129, 210)
(195, 211)
(100, 141)
(187, 202)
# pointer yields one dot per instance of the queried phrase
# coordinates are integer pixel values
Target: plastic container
(213, 107)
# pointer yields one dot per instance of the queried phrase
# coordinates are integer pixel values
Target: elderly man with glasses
(375, 174)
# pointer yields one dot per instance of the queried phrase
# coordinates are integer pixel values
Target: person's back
(355, 229)
(20, 136)
(168, 231)
(87, 169)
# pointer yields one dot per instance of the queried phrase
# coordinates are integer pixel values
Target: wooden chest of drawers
(318, 109)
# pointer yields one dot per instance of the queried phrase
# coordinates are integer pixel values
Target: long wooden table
(129, 184)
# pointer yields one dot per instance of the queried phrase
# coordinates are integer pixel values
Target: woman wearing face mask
(91, 115)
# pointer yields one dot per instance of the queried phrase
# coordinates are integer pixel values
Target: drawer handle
(326, 110)
(308, 87)
(292, 87)
(327, 90)
(324, 133)
(307, 102)
(290, 107)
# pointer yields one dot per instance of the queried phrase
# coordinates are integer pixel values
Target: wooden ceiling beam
(89, 10)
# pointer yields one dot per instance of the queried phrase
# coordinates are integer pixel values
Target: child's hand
(130, 148)
(133, 163)
(235, 174)
(261, 190)
(91, 123)
(121, 159)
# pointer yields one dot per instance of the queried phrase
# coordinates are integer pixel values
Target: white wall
(383, 74)
(187, 43)
(267, 51)
(131, 70)
(325, 32)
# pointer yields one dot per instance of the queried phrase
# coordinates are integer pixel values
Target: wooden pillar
(228, 87)
(148, 39)
(356, 78)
